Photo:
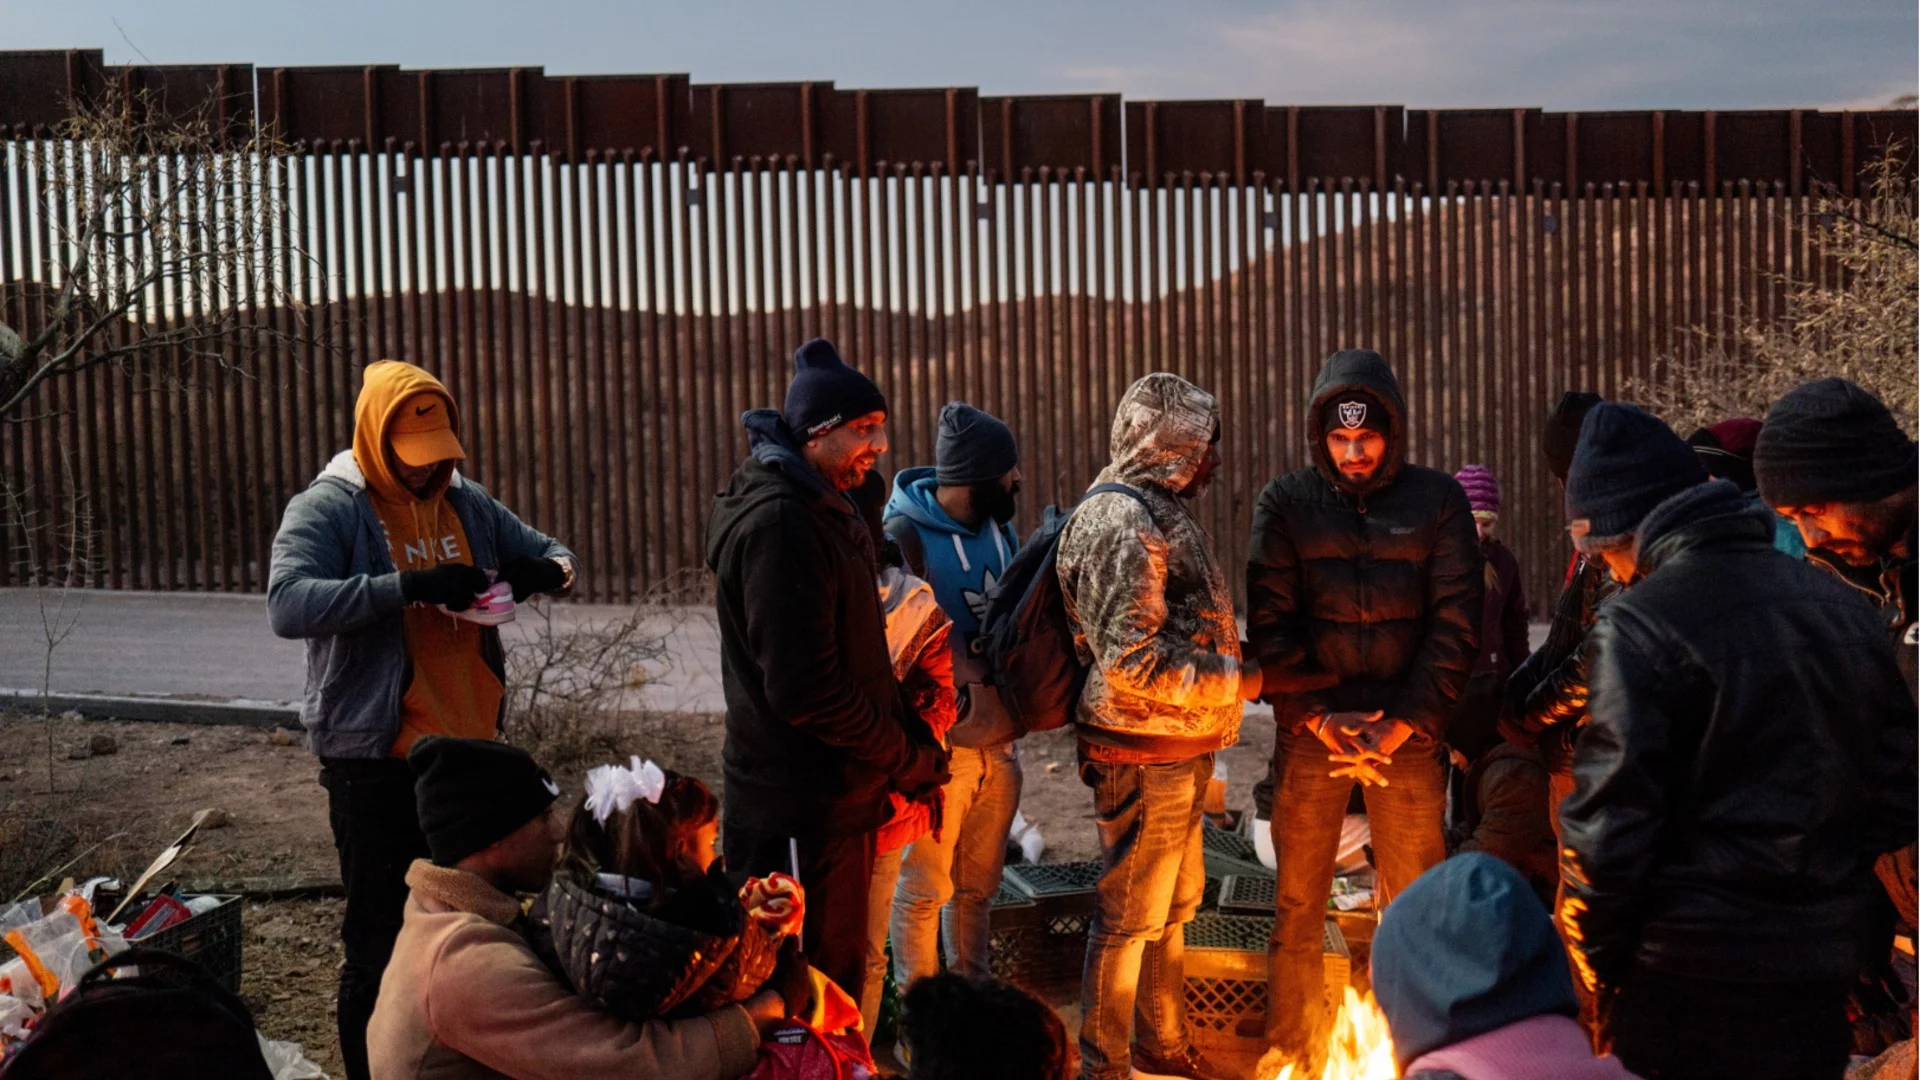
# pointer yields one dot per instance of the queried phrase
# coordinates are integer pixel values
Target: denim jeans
(1308, 805)
(886, 871)
(959, 871)
(1133, 988)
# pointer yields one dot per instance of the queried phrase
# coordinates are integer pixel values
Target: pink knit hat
(1483, 491)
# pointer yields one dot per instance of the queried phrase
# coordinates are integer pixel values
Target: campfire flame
(1358, 1047)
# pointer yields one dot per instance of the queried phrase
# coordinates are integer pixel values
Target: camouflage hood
(1149, 602)
(1160, 432)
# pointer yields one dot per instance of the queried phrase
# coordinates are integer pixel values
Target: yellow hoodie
(452, 691)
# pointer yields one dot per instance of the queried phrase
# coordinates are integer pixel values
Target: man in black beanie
(466, 997)
(952, 522)
(1750, 751)
(1547, 693)
(817, 732)
(1832, 459)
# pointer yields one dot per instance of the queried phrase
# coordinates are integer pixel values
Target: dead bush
(568, 682)
(1859, 324)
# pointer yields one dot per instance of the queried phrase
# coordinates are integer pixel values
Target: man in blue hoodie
(951, 522)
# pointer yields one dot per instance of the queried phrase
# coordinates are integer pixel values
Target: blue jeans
(886, 871)
(959, 871)
(1308, 805)
(1133, 987)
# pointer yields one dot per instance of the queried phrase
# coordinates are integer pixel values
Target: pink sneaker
(491, 608)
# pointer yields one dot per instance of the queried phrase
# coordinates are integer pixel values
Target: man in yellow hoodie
(366, 557)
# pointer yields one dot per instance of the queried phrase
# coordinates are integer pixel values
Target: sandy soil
(115, 812)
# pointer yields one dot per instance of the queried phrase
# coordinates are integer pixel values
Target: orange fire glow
(1358, 1047)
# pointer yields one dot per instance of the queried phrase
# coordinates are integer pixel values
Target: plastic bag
(288, 1060)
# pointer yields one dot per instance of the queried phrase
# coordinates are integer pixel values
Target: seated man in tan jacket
(465, 997)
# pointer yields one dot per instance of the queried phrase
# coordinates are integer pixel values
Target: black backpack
(169, 1022)
(1026, 637)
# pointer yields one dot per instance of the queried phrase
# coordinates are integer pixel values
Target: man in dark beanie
(817, 732)
(1364, 598)
(951, 522)
(1750, 751)
(467, 998)
(1833, 460)
(1547, 694)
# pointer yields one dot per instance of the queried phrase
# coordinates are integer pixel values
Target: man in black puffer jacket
(817, 733)
(1750, 752)
(1364, 571)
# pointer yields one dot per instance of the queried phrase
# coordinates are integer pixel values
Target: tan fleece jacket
(465, 998)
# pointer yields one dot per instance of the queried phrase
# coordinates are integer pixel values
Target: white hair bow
(613, 788)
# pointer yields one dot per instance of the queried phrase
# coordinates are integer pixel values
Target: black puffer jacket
(695, 953)
(1751, 750)
(817, 732)
(1378, 584)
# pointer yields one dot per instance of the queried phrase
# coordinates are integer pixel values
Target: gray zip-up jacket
(333, 583)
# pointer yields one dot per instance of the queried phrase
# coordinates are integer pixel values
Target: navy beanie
(1466, 949)
(972, 446)
(1831, 442)
(473, 793)
(1562, 431)
(825, 392)
(1626, 463)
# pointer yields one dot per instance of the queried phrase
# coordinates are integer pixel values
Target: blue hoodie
(963, 566)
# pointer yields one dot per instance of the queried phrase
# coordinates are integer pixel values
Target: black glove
(925, 771)
(791, 980)
(452, 584)
(536, 575)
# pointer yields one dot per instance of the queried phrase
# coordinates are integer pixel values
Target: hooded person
(1474, 983)
(952, 523)
(371, 565)
(1729, 682)
(1546, 695)
(817, 733)
(467, 997)
(1364, 601)
(1153, 621)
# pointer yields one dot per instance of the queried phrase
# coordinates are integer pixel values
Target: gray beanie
(973, 447)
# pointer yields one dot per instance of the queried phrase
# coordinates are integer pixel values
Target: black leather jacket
(1547, 694)
(1751, 749)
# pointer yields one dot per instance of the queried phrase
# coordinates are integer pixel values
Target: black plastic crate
(1041, 916)
(1047, 880)
(1248, 894)
(1226, 971)
(211, 939)
(1230, 853)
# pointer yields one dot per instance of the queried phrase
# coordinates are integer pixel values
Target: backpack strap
(1119, 489)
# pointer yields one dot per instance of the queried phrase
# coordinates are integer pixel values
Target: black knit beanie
(1626, 463)
(1354, 410)
(1557, 439)
(1831, 442)
(972, 446)
(474, 793)
(826, 393)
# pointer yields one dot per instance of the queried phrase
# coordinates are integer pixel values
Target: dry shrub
(1861, 325)
(567, 685)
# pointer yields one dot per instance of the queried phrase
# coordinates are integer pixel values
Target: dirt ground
(111, 814)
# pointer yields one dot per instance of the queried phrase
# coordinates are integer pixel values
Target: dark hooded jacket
(1750, 751)
(816, 730)
(1376, 584)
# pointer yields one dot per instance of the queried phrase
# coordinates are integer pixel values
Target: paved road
(216, 647)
